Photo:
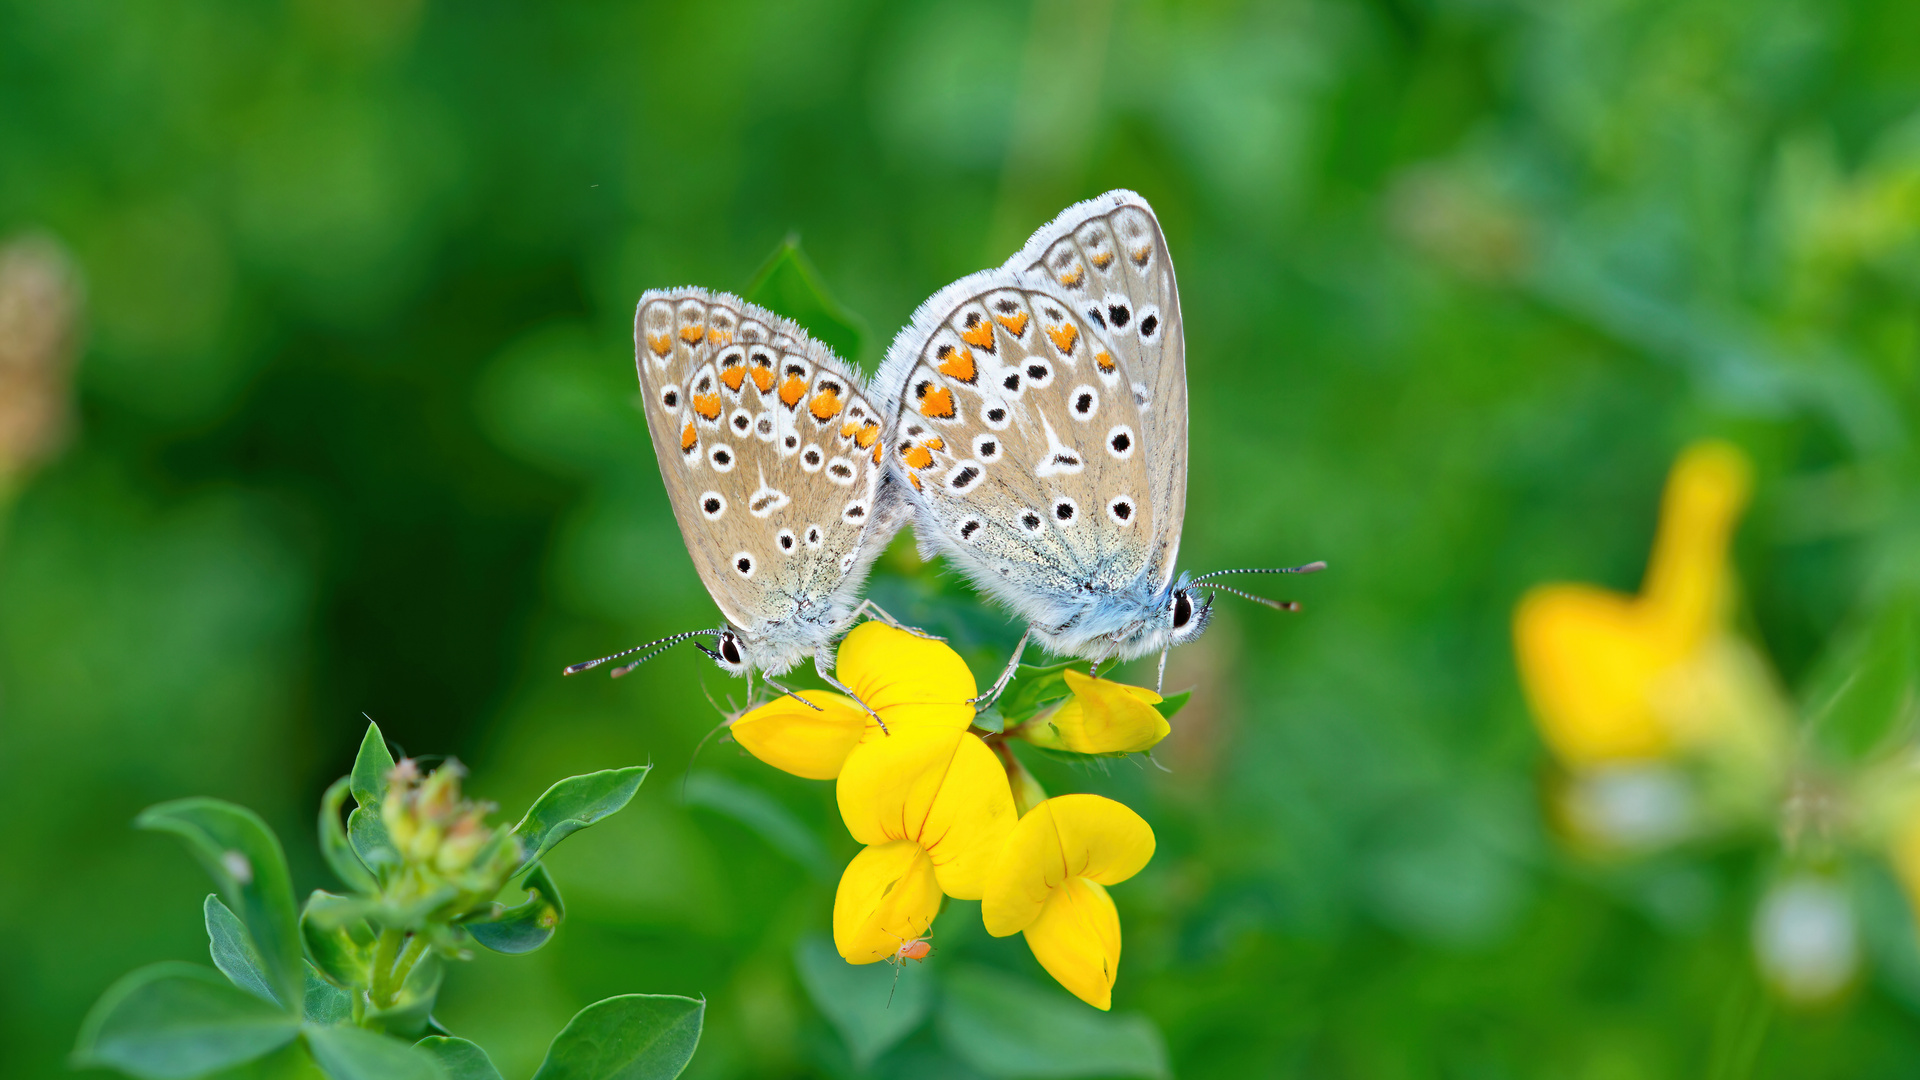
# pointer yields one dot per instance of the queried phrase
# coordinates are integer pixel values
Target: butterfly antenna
(1277, 605)
(658, 646)
(1310, 568)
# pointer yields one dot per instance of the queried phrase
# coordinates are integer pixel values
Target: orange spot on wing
(1104, 359)
(1141, 253)
(707, 405)
(917, 457)
(914, 479)
(661, 344)
(1101, 259)
(934, 442)
(876, 455)
(688, 438)
(1072, 278)
(824, 406)
(1016, 323)
(959, 364)
(691, 333)
(1064, 337)
(792, 391)
(980, 337)
(733, 376)
(722, 338)
(867, 435)
(938, 404)
(762, 376)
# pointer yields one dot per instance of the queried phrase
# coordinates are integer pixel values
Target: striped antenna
(657, 648)
(1277, 605)
(1310, 568)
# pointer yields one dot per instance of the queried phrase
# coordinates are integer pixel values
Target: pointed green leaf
(338, 939)
(873, 1006)
(1005, 1026)
(1169, 706)
(526, 927)
(461, 1059)
(367, 833)
(1033, 689)
(351, 1053)
(325, 1003)
(179, 1020)
(233, 951)
(632, 1037)
(370, 768)
(787, 284)
(335, 846)
(1867, 689)
(573, 804)
(244, 858)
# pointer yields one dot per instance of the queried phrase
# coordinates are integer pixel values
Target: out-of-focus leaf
(1169, 706)
(370, 768)
(862, 1001)
(631, 1037)
(459, 1059)
(1033, 689)
(1868, 689)
(325, 1003)
(340, 945)
(233, 951)
(244, 858)
(179, 1020)
(527, 926)
(290, 1062)
(765, 816)
(352, 1053)
(412, 1010)
(334, 844)
(787, 284)
(1006, 1026)
(367, 833)
(575, 803)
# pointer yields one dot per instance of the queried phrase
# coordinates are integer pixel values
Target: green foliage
(526, 926)
(787, 284)
(345, 1052)
(174, 1020)
(872, 1006)
(573, 804)
(1008, 1027)
(631, 1037)
(459, 1059)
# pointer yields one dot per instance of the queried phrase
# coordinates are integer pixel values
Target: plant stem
(384, 989)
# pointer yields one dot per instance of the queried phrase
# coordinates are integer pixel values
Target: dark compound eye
(730, 649)
(1182, 610)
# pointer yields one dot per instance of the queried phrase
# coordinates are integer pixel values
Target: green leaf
(862, 1001)
(1866, 688)
(1004, 1025)
(178, 1020)
(290, 1062)
(370, 768)
(1169, 706)
(244, 858)
(787, 284)
(233, 951)
(766, 817)
(460, 1059)
(368, 836)
(338, 939)
(325, 1003)
(335, 846)
(412, 1009)
(352, 1053)
(573, 804)
(632, 1037)
(528, 926)
(1033, 689)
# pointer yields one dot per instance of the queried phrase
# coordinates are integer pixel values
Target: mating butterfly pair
(1031, 420)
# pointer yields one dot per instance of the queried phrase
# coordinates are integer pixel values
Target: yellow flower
(1048, 883)
(909, 680)
(1102, 717)
(1599, 668)
(933, 807)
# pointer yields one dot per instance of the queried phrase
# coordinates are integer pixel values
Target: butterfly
(1041, 435)
(774, 459)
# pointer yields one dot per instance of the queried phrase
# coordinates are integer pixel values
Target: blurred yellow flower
(1048, 883)
(1102, 717)
(910, 681)
(933, 806)
(1608, 675)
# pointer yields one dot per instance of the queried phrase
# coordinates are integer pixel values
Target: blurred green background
(355, 433)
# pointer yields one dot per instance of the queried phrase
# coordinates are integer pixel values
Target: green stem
(385, 954)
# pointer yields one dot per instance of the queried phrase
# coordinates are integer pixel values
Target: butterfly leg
(768, 679)
(823, 667)
(881, 614)
(987, 699)
(1161, 679)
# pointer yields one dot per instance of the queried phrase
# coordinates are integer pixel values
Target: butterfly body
(773, 457)
(1041, 432)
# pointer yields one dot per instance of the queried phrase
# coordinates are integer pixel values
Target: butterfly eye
(1182, 611)
(730, 650)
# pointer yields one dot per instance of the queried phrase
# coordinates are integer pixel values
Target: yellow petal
(1102, 717)
(1071, 836)
(1588, 660)
(1688, 577)
(1077, 939)
(941, 789)
(791, 737)
(905, 678)
(888, 896)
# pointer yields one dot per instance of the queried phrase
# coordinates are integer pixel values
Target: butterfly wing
(771, 452)
(1108, 256)
(1021, 438)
